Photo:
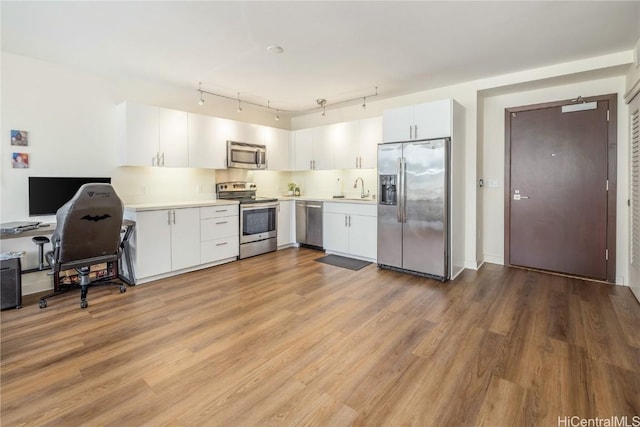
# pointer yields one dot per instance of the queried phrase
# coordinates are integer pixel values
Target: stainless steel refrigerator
(414, 207)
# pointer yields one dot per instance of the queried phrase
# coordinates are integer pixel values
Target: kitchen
(279, 338)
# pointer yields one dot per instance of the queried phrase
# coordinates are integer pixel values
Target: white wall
(71, 119)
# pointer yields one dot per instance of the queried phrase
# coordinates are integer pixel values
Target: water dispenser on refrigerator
(388, 193)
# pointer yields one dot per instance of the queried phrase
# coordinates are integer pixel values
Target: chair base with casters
(83, 282)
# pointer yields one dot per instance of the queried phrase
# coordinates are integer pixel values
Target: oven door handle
(254, 206)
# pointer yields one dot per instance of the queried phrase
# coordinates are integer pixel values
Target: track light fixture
(201, 101)
(321, 102)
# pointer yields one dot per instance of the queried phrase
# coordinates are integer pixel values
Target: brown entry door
(557, 194)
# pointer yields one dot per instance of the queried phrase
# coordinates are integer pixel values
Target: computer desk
(21, 242)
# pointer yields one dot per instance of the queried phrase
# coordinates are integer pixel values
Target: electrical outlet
(493, 183)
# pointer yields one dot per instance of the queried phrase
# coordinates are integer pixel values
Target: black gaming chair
(87, 233)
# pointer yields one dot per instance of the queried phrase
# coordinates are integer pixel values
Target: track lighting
(201, 101)
(321, 102)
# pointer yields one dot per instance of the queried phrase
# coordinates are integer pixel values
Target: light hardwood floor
(280, 339)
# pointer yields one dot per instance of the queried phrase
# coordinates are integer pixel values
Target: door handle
(518, 196)
(345, 220)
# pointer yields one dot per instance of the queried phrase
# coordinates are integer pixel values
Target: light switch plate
(493, 183)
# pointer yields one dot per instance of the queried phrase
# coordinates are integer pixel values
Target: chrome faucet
(355, 185)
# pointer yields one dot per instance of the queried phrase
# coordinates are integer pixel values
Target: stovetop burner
(244, 192)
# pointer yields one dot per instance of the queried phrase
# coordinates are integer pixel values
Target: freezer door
(424, 239)
(389, 220)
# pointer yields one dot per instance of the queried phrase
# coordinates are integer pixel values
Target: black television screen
(48, 194)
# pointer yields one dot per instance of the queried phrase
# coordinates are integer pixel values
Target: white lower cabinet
(286, 223)
(219, 233)
(175, 240)
(166, 240)
(351, 229)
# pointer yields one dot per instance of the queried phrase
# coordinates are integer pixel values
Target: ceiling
(332, 50)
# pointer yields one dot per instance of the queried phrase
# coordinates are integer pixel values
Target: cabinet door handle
(223, 210)
(222, 244)
(415, 133)
(174, 214)
(163, 159)
(153, 161)
(410, 132)
(310, 164)
(222, 222)
(356, 162)
(345, 220)
(168, 217)
(349, 221)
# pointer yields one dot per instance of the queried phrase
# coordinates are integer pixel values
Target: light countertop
(177, 205)
(366, 201)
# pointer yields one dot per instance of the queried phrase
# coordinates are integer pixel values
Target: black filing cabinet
(11, 283)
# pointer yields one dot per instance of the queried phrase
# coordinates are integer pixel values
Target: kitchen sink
(365, 199)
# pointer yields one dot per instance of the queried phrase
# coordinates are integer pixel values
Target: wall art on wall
(19, 137)
(20, 160)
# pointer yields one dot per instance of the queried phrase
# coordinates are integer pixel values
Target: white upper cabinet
(151, 136)
(398, 124)
(356, 143)
(278, 149)
(313, 148)
(416, 122)
(173, 138)
(346, 145)
(137, 135)
(302, 149)
(323, 148)
(246, 132)
(207, 141)
(433, 119)
(369, 136)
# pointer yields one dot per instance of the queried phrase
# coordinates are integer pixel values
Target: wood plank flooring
(280, 339)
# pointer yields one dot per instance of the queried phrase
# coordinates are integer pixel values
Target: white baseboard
(494, 259)
(35, 282)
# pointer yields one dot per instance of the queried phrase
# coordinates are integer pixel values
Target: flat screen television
(48, 194)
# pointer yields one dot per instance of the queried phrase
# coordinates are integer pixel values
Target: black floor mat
(344, 262)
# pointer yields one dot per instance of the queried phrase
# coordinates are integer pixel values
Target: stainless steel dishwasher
(309, 223)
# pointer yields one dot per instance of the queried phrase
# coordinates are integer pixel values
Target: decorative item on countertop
(337, 194)
(291, 186)
(296, 191)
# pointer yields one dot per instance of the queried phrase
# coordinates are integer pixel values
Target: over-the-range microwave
(246, 156)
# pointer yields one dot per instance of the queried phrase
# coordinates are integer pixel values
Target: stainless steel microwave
(246, 156)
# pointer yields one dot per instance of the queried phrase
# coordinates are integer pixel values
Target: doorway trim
(612, 173)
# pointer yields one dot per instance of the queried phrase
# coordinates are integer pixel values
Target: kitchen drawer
(218, 228)
(218, 211)
(216, 250)
(351, 209)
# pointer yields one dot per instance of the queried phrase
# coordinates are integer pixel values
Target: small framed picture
(19, 137)
(20, 160)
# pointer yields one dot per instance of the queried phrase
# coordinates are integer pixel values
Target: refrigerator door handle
(399, 202)
(404, 190)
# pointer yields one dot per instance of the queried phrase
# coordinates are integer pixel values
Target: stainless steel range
(258, 217)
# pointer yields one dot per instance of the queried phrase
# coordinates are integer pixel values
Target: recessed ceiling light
(275, 49)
